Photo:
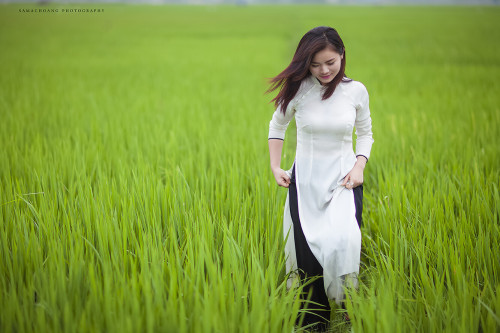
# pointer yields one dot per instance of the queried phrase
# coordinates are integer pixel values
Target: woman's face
(325, 65)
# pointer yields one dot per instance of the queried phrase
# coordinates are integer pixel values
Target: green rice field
(135, 187)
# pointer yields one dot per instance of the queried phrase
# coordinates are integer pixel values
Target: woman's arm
(364, 141)
(275, 148)
(277, 130)
(363, 124)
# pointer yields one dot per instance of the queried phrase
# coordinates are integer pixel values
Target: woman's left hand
(355, 177)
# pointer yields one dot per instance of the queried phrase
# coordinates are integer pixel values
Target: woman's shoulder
(353, 85)
(355, 89)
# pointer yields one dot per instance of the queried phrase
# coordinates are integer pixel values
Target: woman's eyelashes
(329, 64)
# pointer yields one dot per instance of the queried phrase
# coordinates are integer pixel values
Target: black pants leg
(308, 265)
(358, 203)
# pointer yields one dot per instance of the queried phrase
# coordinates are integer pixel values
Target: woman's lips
(325, 77)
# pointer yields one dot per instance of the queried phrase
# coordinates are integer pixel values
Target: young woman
(323, 208)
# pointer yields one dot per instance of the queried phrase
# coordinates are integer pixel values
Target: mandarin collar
(315, 81)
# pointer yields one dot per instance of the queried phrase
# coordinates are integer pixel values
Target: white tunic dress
(324, 156)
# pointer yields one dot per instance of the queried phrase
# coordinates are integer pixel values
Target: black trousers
(308, 265)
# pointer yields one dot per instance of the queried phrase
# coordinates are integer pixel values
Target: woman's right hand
(281, 177)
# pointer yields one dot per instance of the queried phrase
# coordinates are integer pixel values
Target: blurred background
(251, 2)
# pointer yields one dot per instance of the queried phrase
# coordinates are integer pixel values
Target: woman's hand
(281, 177)
(275, 147)
(355, 177)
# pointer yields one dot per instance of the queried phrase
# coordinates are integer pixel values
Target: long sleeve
(363, 124)
(279, 122)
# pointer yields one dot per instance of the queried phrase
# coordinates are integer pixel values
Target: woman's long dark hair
(311, 43)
